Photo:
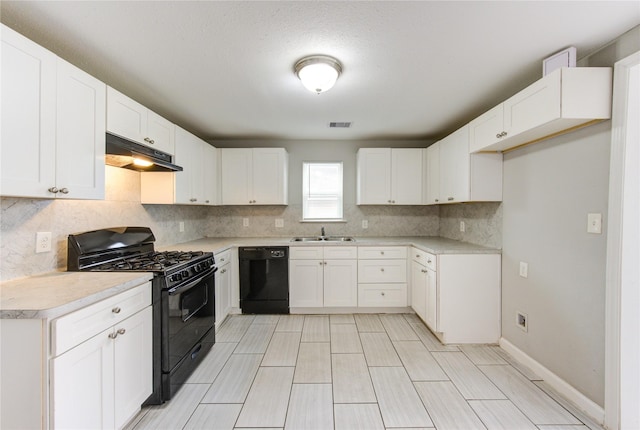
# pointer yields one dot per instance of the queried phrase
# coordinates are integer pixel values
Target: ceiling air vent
(339, 124)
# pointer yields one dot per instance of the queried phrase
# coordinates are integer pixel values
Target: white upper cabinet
(559, 102)
(196, 184)
(389, 176)
(455, 176)
(53, 124)
(254, 176)
(129, 119)
(80, 134)
(431, 186)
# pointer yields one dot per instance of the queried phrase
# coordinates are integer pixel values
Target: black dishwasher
(264, 280)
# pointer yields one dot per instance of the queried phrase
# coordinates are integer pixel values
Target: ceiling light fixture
(318, 73)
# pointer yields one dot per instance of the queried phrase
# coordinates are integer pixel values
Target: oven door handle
(192, 283)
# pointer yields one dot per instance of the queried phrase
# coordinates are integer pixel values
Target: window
(321, 191)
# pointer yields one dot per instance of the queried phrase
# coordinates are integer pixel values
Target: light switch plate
(279, 223)
(245, 222)
(365, 223)
(462, 226)
(524, 269)
(181, 226)
(594, 223)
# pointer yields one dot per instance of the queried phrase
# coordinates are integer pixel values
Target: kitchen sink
(324, 239)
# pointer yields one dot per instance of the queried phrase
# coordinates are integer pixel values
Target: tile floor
(362, 371)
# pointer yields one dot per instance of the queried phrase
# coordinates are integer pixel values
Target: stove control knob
(185, 274)
(175, 278)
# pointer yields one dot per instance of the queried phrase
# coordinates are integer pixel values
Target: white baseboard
(585, 404)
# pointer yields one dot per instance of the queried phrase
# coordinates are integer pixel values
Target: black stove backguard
(183, 297)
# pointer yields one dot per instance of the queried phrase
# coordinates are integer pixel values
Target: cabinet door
(133, 364)
(82, 388)
(433, 174)
(126, 117)
(431, 309)
(236, 173)
(340, 283)
(374, 176)
(455, 166)
(27, 148)
(485, 130)
(537, 104)
(269, 178)
(406, 176)
(223, 293)
(161, 132)
(419, 289)
(80, 134)
(306, 283)
(189, 182)
(210, 174)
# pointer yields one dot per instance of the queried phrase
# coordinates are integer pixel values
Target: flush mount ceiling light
(318, 73)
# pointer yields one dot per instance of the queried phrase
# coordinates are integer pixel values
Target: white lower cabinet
(458, 295)
(102, 381)
(382, 276)
(323, 276)
(223, 286)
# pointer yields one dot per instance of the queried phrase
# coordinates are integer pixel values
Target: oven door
(188, 313)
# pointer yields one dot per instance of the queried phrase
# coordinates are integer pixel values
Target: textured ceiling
(224, 70)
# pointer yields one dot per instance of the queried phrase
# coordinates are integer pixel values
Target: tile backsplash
(21, 218)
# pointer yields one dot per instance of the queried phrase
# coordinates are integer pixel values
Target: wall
(549, 188)
(22, 218)
(483, 223)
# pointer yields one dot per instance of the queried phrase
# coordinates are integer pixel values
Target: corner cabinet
(563, 100)
(254, 176)
(53, 124)
(455, 176)
(129, 119)
(389, 176)
(196, 185)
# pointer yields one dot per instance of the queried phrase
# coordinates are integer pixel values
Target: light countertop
(432, 244)
(54, 294)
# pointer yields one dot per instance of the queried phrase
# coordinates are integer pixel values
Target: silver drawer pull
(423, 270)
(381, 252)
(64, 191)
(417, 255)
(113, 335)
(121, 331)
(382, 293)
(223, 271)
(428, 261)
(116, 310)
(382, 269)
(53, 190)
(450, 198)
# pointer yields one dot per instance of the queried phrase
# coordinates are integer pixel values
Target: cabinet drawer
(382, 271)
(305, 253)
(223, 257)
(379, 252)
(382, 295)
(424, 258)
(340, 252)
(76, 327)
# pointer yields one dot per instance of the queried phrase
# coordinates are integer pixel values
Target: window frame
(306, 165)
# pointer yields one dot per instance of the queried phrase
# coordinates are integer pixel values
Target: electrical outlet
(524, 269)
(594, 223)
(279, 223)
(462, 226)
(181, 226)
(43, 241)
(522, 320)
(365, 223)
(245, 222)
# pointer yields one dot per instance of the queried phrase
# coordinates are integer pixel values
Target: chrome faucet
(322, 231)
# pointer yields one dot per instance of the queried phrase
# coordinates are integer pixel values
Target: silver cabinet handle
(450, 198)
(320, 263)
(423, 270)
(121, 331)
(429, 261)
(113, 335)
(53, 190)
(222, 259)
(193, 200)
(325, 263)
(223, 271)
(393, 201)
(437, 200)
(206, 201)
(149, 141)
(417, 255)
(382, 293)
(382, 269)
(64, 191)
(381, 252)
(116, 310)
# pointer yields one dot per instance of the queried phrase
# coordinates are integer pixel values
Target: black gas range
(183, 295)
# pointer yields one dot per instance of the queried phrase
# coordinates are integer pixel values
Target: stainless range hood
(126, 153)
